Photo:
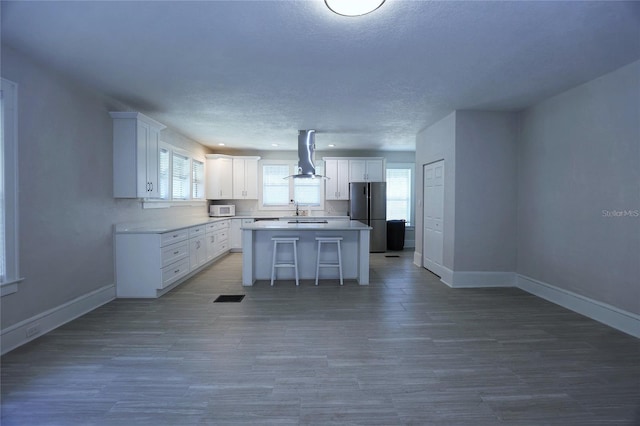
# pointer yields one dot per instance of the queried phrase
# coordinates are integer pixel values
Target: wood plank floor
(405, 350)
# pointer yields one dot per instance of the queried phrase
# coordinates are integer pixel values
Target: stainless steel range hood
(306, 151)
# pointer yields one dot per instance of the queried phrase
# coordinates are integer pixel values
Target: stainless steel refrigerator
(368, 204)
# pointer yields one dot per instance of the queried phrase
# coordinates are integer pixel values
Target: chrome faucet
(297, 210)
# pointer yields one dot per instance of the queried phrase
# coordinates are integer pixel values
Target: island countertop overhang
(331, 225)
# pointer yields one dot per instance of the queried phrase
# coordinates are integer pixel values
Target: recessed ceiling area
(250, 74)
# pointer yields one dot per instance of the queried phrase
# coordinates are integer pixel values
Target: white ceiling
(251, 73)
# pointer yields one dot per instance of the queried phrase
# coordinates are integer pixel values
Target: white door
(432, 241)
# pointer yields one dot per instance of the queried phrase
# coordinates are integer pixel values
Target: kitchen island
(258, 249)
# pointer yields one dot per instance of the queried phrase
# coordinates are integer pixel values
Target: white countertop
(331, 225)
(162, 226)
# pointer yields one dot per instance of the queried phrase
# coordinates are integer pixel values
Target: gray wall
(537, 192)
(438, 142)
(65, 184)
(486, 189)
(479, 150)
(579, 155)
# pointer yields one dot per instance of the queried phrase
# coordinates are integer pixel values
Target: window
(9, 274)
(197, 179)
(181, 176)
(180, 181)
(275, 186)
(164, 168)
(399, 192)
(279, 192)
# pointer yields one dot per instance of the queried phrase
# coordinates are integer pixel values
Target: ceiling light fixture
(331, 145)
(220, 144)
(353, 7)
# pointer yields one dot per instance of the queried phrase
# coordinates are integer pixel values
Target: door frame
(436, 268)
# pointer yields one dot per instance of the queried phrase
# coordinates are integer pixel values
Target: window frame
(169, 201)
(293, 168)
(411, 167)
(9, 127)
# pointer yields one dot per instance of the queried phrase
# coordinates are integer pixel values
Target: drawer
(222, 236)
(174, 272)
(174, 252)
(173, 237)
(196, 231)
(217, 226)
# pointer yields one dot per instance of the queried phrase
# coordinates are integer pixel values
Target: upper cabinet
(232, 178)
(337, 184)
(366, 170)
(136, 138)
(219, 170)
(245, 178)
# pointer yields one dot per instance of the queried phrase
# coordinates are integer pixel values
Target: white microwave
(222, 210)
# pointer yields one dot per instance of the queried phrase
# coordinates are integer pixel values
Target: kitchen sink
(308, 221)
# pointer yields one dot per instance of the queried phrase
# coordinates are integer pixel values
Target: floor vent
(391, 255)
(229, 298)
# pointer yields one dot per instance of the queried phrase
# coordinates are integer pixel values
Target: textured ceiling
(251, 73)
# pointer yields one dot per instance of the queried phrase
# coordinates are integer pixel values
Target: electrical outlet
(33, 330)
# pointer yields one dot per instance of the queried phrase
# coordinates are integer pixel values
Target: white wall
(65, 182)
(579, 155)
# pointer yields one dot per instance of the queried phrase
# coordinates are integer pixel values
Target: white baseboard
(31, 328)
(604, 313)
(470, 279)
(417, 259)
(619, 319)
(445, 274)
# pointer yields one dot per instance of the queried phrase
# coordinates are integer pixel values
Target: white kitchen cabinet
(149, 264)
(235, 233)
(197, 247)
(217, 238)
(245, 178)
(135, 155)
(366, 170)
(219, 183)
(337, 186)
(146, 264)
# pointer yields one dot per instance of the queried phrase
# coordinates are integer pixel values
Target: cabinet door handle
(176, 271)
(176, 252)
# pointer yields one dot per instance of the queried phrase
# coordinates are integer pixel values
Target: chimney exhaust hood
(306, 154)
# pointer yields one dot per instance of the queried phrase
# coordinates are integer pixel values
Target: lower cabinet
(235, 233)
(197, 247)
(218, 238)
(149, 264)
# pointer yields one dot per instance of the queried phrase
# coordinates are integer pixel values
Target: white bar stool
(329, 240)
(284, 263)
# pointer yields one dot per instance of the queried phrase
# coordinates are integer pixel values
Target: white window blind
(399, 194)
(164, 171)
(279, 191)
(2, 205)
(197, 179)
(181, 177)
(308, 192)
(275, 188)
